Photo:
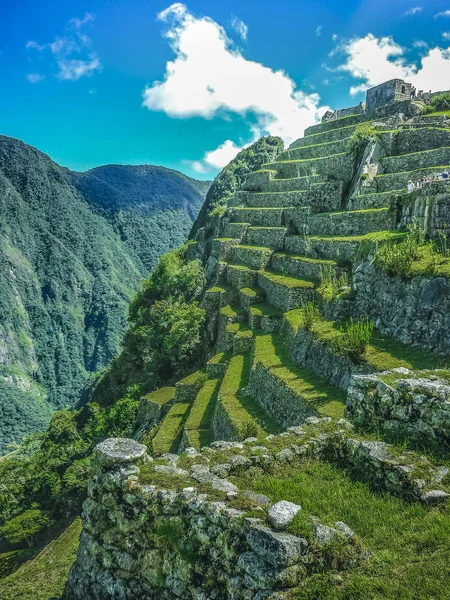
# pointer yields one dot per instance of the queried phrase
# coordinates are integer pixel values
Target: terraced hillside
(291, 465)
(284, 264)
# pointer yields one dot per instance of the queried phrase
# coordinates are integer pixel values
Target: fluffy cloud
(72, 52)
(35, 77)
(414, 11)
(210, 77)
(319, 31)
(375, 60)
(240, 27)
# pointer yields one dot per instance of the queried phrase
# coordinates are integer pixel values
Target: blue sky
(186, 86)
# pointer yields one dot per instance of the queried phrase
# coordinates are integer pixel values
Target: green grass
(322, 397)
(383, 353)
(45, 575)
(249, 292)
(265, 310)
(168, 436)
(351, 212)
(286, 281)
(408, 545)
(312, 261)
(242, 409)
(197, 379)
(369, 237)
(228, 311)
(438, 113)
(222, 357)
(198, 423)
(161, 396)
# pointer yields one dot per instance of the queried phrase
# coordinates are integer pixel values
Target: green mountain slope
(68, 269)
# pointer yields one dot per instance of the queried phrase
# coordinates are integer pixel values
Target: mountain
(73, 248)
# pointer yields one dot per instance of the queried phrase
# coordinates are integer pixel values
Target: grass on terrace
(45, 575)
(326, 399)
(161, 396)
(242, 410)
(384, 353)
(168, 436)
(408, 543)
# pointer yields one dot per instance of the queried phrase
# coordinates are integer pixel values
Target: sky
(188, 85)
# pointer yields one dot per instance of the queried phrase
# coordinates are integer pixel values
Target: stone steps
(249, 296)
(283, 292)
(416, 160)
(265, 317)
(222, 248)
(320, 150)
(237, 415)
(235, 230)
(320, 197)
(255, 257)
(294, 184)
(341, 164)
(397, 181)
(270, 237)
(349, 223)
(327, 136)
(264, 217)
(240, 276)
(376, 200)
(336, 124)
(290, 393)
(340, 249)
(301, 266)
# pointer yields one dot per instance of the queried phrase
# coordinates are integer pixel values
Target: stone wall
(331, 115)
(144, 541)
(415, 312)
(429, 206)
(415, 406)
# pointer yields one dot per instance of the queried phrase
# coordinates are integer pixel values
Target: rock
(435, 497)
(240, 462)
(222, 485)
(345, 530)
(118, 451)
(257, 498)
(191, 452)
(221, 470)
(171, 471)
(279, 549)
(285, 455)
(324, 534)
(296, 430)
(171, 459)
(250, 440)
(282, 513)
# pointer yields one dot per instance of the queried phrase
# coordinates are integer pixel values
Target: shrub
(354, 339)
(25, 527)
(364, 134)
(248, 429)
(439, 102)
(397, 258)
(310, 315)
(330, 283)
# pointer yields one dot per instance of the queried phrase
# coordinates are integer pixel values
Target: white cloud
(446, 35)
(35, 77)
(444, 13)
(413, 11)
(375, 60)
(73, 52)
(240, 27)
(209, 77)
(218, 158)
(319, 31)
(420, 44)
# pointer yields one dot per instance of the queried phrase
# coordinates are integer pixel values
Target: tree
(25, 526)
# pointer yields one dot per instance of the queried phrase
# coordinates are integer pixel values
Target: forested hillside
(71, 257)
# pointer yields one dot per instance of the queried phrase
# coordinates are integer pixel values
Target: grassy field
(408, 545)
(44, 576)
